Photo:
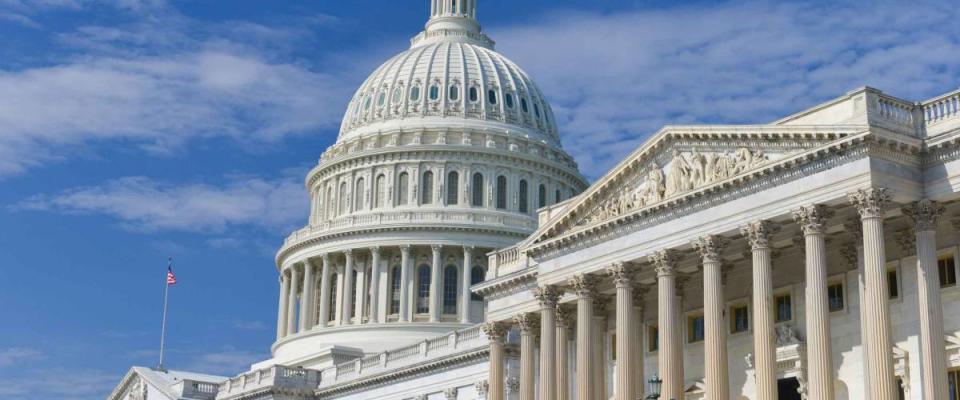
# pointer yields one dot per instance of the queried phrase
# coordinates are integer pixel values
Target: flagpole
(163, 329)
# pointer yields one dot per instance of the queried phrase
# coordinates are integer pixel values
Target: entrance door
(787, 389)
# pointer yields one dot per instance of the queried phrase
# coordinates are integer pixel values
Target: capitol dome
(446, 152)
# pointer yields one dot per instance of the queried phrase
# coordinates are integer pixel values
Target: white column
(465, 284)
(638, 344)
(548, 296)
(374, 284)
(870, 204)
(764, 335)
(669, 352)
(347, 302)
(715, 333)
(282, 311)
(626, 340)
(561, 347)
(325, 292)
(404, 283)
(435, 282)
(360, 300)
(296, 281)
(854, 257)
(307, 299)
(527, 323)
(933, 360)
(496, 332)
(812, 220)
(585, 286)
(600, 308)
(338, 307)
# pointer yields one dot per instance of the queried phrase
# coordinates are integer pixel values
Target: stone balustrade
(505, 261)
(290, 379)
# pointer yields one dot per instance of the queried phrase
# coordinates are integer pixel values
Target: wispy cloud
(613, 79)
(145, 204)
(15, 355)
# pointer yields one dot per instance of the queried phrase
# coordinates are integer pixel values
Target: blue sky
(134, 130)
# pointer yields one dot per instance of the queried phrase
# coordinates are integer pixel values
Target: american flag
(171, 278)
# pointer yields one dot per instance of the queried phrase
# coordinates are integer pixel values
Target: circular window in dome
(434, 92)
(492, 96)
(523, 105)
(454, 93)
(415, 93)
(508, 99)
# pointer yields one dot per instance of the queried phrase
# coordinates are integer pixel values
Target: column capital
(854, 227)
(758, 233)
(405, 249)
(907, 241)
(639, 296)
(870, 202)
(375, 250)
(436, 247)
(924, 214)
(528, 323)
(468, 249)
(326, 258)
(601, 305)
(851, 255)
(565, 316)
(548, 295)
(665, 262)
(621, 273)
(709, 247)
(496, 331)
(813, 218)
(584, 284)
(348, 253)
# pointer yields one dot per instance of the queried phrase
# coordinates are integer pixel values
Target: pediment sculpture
(138, 390)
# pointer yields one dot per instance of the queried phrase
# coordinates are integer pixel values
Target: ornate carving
(786, 335)
(494, 330)
(709, 247)
(482, 387)
(527, 323)
(665, 262)
(906, 240)
(565, 316)
(585, 285)
(924, 214)
(758, 233)
(813, 219)
(513, 384)
(450, 393)
(855, 227)
(870, 202)
(548, 295)
(601, 306)
(137, 390)
(621, 274)
(639, 296)
(851, 255)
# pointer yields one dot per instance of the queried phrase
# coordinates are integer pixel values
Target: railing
(942, 108)
(290, 379)
(896, 111)
(188, 388)
(505, 261)
(455, 342)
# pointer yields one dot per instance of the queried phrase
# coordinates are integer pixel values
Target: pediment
(684, 161)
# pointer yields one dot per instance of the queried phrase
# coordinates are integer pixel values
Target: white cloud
(613, 79)
(145, 204)
(16, 355)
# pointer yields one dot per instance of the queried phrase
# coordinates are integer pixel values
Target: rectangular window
(835, 296)
(653, 338)
(613, 347)
(953, 384)
(740, 321)
(784, 307)
(947, 270)
(695, 331)
(893, 284)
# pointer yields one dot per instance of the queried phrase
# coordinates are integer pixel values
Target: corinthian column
(812, 220)
(435, 283)
(296, 281)
(601, 306)
(374, 285)
(404, 283)
(933, 360)
(496, 332)
(870, 204)
(764, 337)
(307, 299)
(636, 338)
(548, 296)
(465, 283)
(715, 347)
(562, 370)
(854, 256)
(282, 311)
(528, 327)
(626, 342)
(347, 302)
(669, 353)
(325, 291)
(585, 286)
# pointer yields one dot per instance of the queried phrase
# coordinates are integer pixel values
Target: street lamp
(655, 384)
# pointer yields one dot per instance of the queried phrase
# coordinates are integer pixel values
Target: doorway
(788, 389)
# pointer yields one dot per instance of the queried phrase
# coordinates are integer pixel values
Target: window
(453, 187)
(492, 96)
(380, 191)
(556, 196)
(523, 105)
(403, 184)
(334, 283)
(331, 206)
(893, 283)
(501, 192)
(536, 110)
(835, 296)
(382, 99)
(434, 92)
(953, 384)
(784, 310)
(474, 94)
(397, 95)
(476, 276)
(739, 318)
(508, 99)
(947, 271)
(358, 195)
(542, 197)
(450, 289)
(524, 208)
(415, 93)
(344, 204)
(395, 290)
(367, 102)
(454, 93)
(423, 289)
(695, 331)
(426, 188)
(477, 195)
(653, 338)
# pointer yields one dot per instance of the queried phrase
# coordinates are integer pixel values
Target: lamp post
(655, 383)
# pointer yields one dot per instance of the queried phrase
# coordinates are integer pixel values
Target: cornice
(506, 283)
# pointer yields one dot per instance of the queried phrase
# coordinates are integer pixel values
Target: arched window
(403, 184)
(542, 197)
(344, 204)
(423, 289)
(434, 92)
(476, 276)
(395, 290)
(332, 313)
(358, 195)
(536, 110)
(331, 206)
(397, 95)
(454, 93)
(501, 192)
(415, 93)
(477, 195)
(426, 188)
(453, 188)
(450, 289)
(353, 295)
(556, 196)
(523, 105)
(382, 99)
(492, 96)
(474, 94)
(380, 191)
(523, 195)
(367, 102)
(508, 100)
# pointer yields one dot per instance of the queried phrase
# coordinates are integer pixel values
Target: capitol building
(454, 251)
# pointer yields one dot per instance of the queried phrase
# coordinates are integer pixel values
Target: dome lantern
(452, 21)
